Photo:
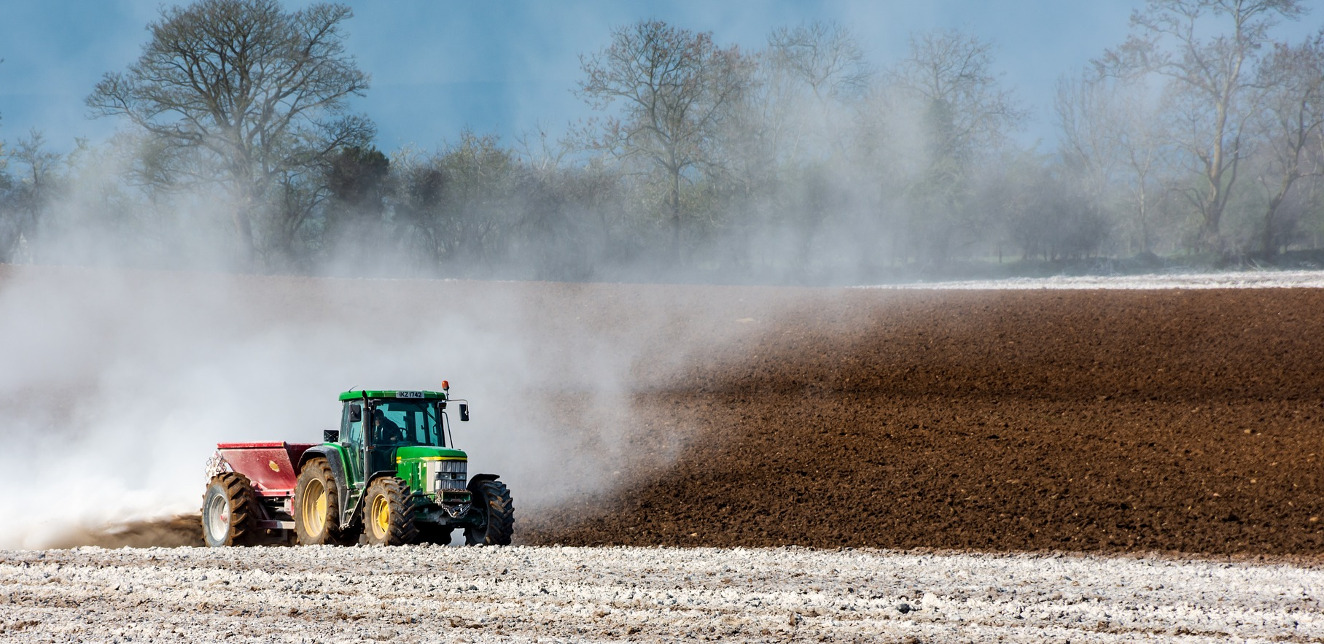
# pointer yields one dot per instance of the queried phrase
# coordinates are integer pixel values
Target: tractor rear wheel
(317, 506)
(230, 511)
(492, 500)
(389, 514)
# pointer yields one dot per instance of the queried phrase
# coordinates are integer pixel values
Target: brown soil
(176, 531)
(1180, 421)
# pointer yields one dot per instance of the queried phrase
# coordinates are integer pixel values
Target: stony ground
(528, 594)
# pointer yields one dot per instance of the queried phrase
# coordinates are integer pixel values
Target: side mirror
(330, 436)
(464, 412)
(355, 414)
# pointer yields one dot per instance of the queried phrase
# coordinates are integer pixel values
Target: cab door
(352, 439)
(380, 455)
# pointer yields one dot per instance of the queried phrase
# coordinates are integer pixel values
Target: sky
(510, 67)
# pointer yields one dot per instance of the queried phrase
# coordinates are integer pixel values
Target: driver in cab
(387, 431)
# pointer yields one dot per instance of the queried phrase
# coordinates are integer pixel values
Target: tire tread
(499, 511)
(402, 529)
(317, 467)
(245, 509)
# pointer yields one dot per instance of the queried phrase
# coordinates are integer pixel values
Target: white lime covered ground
(1237, 279)
(317, 594)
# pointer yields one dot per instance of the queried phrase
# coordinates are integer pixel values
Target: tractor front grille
(447, 475)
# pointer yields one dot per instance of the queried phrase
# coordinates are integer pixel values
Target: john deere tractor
(389, 476)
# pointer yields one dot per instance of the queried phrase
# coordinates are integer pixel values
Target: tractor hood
(428, 453)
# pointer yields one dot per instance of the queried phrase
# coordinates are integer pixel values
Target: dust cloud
(123, 381)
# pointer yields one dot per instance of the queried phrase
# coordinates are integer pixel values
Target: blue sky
(509, 66)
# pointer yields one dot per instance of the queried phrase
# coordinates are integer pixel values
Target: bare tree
(794, 118)
(35, 188)
(673, 89)
(1113, 135)
(477, 215)
(960, 111)
(1292, 122)
(826, 60)
(824, 55)
(259, 90)
(583, 219)
(964, 106)
(1212, 77)
(1145, 149)
(1089, 119)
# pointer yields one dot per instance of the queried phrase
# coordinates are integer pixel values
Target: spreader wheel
(492, 501)
(388, 518)
(230, 511)
(317, 506)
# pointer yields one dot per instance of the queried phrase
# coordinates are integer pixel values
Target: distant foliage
(1201, 136)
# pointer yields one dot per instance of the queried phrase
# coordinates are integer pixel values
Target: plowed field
(1188, 421)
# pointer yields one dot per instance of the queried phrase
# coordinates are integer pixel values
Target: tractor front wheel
(389, 514)
(230, 511)
(317, 506)
(492, 501)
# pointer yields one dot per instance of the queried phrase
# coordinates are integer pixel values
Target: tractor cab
(394, 421)
(376, 424)
(404, 434)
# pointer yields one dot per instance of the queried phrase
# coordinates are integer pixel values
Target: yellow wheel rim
(314, 507)
(381, 516)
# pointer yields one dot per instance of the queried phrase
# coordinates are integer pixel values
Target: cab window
(408, 423)
(351, 432)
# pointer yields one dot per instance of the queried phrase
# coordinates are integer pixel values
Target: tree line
(1201, 136)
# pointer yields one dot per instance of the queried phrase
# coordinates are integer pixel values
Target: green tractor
(389, 476)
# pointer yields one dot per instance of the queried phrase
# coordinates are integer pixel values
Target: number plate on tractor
(408, 394)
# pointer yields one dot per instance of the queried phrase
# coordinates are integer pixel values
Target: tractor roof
(357, 394)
